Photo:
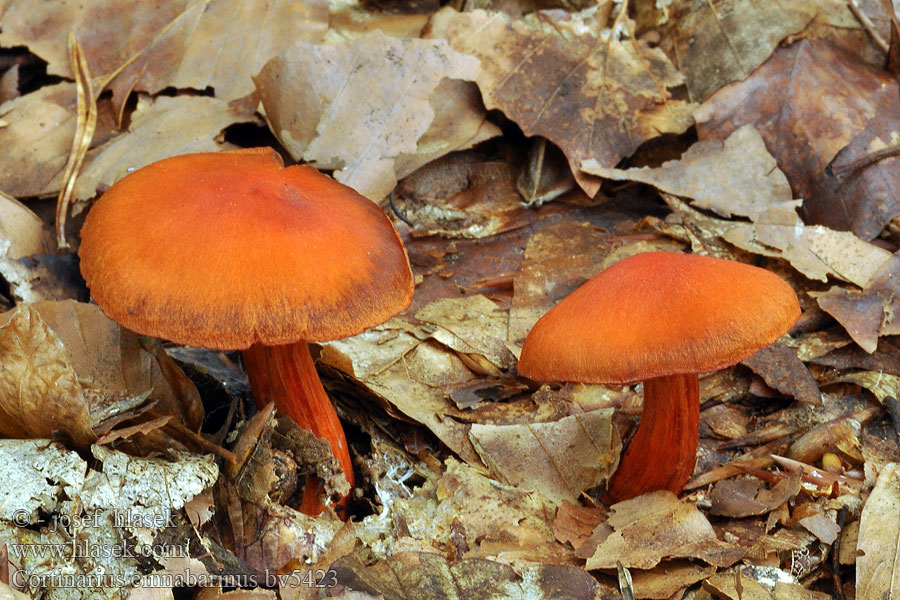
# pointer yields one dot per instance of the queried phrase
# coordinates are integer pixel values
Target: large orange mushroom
(660, 318)
(234, 251)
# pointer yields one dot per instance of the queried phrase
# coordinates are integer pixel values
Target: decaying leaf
(717, 43)
(878, 563)
(22, 232)
(180, 44)
(649, 528)
(593, 92)
(779, 366)
(814, 250)
(668, 578)
(745, 497)
(433, 578)
(64, 367)
(320, 103)
(803, 85)
(565, 457)
(736, 176)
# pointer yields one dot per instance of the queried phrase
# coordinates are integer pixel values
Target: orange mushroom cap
(225, 250)
(657, 314)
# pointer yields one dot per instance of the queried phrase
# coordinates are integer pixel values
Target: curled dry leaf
(320, 103)
(803, 84)
(649, 528)
(878, 559)
(715, 44)
(782, 370)
(22, 232)
(565, 457)
(38, 138)
(736, 176)
(668, 578)
(816, 251)
(745, 497)
(65, 367)
(180, 44)
(593, 92)
(465, 579)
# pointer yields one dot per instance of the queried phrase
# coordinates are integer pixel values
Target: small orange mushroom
(660, 318)
(234, 251)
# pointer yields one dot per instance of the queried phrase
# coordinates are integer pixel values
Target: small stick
(835, 556)
(867, 24)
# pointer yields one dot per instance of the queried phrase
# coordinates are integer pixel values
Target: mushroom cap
(225, 250)
(657, 314)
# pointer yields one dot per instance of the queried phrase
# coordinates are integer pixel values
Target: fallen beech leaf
(477, 324)
(593, 92)
(574, 523)
(160, 128)
(744, 497)
(565, 457)
(655, 526)
(804, 85)
(181, 44)
(668, 578)
(38, 138)
(736, 176)
(780, 368)
(815, 251)
(715, 44)
(321, 105)
(878, 559)
(22, 232)
(65, 367)
(434, 577)
(461, 196)
(557, 260)
(748, 586)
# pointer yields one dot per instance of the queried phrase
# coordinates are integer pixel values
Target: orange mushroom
(660, 318)
(233, 251)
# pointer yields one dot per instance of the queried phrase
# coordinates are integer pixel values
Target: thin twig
(835, 556)
(867, 25)
(397, 212)
(865, 161)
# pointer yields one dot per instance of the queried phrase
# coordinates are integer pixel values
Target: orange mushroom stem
(661, 454)
(286, 375)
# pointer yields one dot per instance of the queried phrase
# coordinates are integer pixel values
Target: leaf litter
(473, 480)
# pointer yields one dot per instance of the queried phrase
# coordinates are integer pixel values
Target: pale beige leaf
(655, 526)
(22, 232)
(878, 564)
(592, 91)
(358, 106)
(734, 177)
(565, 457)
(39, 389)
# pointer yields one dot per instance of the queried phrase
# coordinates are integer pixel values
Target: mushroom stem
(662, 454)
(286, 375)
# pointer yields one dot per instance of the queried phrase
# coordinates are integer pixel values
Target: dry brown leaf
(66, 367)
(717, 43)
(745, 497)
(565, 457)
(38, 138)
(878, 563)
(822, 99)
(22, 232)
(321, 104)
(182, 44)
(780, 368)
(472, 325)
(668, 578)
(747, 585)
(814, 250)
(655, 526)
(434, 577)
(557, 260)
(160, 128)
(593, 92)
(736, 176)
